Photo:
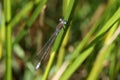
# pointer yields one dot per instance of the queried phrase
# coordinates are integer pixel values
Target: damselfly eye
(64, 22)
(60, 19)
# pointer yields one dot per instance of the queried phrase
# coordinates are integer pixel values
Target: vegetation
(87, 48)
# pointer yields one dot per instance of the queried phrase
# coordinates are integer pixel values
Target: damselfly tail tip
(37, 66)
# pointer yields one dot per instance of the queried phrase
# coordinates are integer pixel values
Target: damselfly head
(62, 21)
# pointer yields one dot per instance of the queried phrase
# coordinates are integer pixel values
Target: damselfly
(46, 48)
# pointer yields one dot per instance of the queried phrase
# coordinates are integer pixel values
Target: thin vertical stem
(7, 11)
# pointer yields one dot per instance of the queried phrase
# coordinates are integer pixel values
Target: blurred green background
(87, 48)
